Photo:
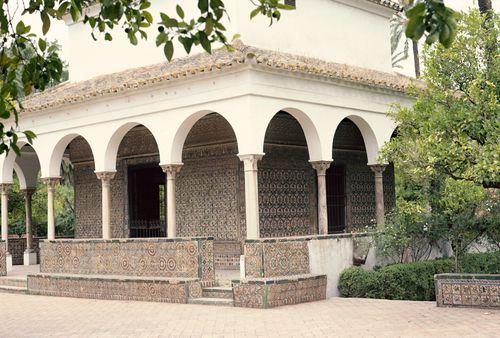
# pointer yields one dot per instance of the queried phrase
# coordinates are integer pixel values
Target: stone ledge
(279, 280)
(308, 238)
(127, 240)
(467, 276)
(117, 278)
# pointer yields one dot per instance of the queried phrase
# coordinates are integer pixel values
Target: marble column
(106, 177)
(29, 257)
(378, 169)
(321, 167)
(251, 194)
(171, 171)
(51, 183)
(4, 190)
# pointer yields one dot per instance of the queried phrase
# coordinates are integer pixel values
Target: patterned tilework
(3, 260)
(269, 293)
(271, 258)
(468, 290)
(179, 258)
(17, 246)
(99, 287)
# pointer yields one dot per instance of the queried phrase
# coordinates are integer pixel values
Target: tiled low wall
(227, 255)
(469, 290)
(156, 257)
(17, 246)
(116, 288)
(273, 292)
(275, 257)
(3, 259)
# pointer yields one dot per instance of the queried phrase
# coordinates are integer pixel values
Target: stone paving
(36, 316)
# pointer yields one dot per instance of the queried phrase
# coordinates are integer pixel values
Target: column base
(8, 259)
(29, 258)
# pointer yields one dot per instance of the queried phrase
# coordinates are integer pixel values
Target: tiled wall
(17, 246)
(468, 290)
(3, 259)
(180, 258)
(271, 258)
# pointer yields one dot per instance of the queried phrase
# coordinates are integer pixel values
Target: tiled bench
(469, 290)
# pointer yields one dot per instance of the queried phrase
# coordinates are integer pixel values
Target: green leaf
(45, 22)
(108, 37)
(205, 43)
(254, 13)
(179, 11)
(42, 44)
(169, 50)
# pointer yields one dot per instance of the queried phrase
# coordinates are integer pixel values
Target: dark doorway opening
(336, 198)
(146, 191)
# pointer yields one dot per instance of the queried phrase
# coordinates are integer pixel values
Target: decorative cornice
(378, 169)
(5, 188)
(171, 169)
(51, 182)
(199, 64)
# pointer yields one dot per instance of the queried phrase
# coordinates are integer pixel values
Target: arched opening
(350, 184)
(287, 182)
(210, 189)
(138, 187)
(78, 192)
(28, 193)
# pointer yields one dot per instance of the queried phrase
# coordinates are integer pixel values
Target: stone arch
(308, 128)
(26, 168)
(57, 153)
(184, 129)
(369, 138)
(113, 145)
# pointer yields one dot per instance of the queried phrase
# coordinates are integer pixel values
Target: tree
(21, 73)
(447, 148)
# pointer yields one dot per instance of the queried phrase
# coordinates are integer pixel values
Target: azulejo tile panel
(178, 258)
(115, 289)
(273, 292)
(3, 259)
(468, 290)
(276, 258)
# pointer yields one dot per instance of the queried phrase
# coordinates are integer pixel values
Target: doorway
(147, 201)
(336, 198)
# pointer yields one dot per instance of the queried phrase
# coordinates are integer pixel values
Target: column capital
(105, 175)
(321, 166)
(5, 188)
(250, 161)
(171, 169)
(50, 181)
(378, 168)
(28, 191)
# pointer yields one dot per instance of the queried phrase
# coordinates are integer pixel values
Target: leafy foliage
(411, 281)
(447, 149)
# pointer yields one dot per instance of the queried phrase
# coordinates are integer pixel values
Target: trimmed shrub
(485, 262)
(411, 281)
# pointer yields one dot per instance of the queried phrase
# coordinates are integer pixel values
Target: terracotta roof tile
(220, 59)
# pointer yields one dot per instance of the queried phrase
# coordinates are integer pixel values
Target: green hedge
(411, 281)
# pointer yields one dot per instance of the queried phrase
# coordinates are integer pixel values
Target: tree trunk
(416, 58)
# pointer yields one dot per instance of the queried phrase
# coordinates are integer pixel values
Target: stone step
(212, 301)
(17, 282)
(13, 289)
(218, 292)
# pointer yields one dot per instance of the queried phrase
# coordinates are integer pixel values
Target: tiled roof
(388, 3)
(197, 64)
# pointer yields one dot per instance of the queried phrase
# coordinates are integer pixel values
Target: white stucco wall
(354, 32)
(330, 257)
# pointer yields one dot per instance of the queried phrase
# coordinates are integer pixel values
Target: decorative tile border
(276, 258)
(115, 288)
(3, 259)
(469, 290)
(272, 292)
(158, 257)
